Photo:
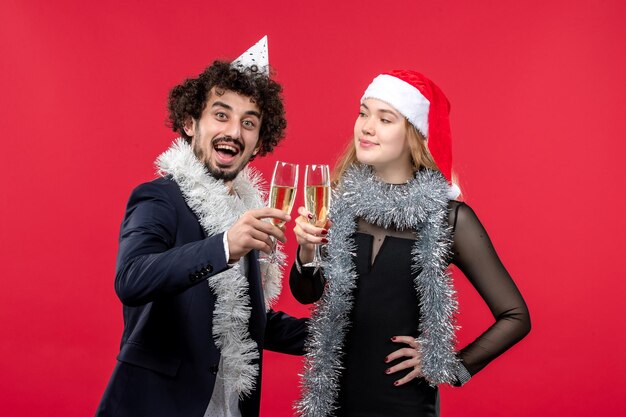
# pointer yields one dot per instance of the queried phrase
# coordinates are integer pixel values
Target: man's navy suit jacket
(168, 360)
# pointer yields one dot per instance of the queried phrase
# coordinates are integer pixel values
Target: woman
(382, 335)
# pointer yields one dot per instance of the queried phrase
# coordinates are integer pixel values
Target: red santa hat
(426, 107)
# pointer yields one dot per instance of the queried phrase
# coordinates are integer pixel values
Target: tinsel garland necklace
(217, 208)
(420, 205)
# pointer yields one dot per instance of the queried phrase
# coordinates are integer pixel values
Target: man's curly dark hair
(189, 99)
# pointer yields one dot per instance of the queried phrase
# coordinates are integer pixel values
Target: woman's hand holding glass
(317, 203)
(309, 235)
(312, 225)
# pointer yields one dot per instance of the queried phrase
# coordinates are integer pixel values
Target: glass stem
(317, 257)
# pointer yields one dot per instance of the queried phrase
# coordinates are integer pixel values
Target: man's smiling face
(227, 134)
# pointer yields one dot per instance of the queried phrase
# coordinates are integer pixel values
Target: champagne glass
(282, 196)
(317, 201)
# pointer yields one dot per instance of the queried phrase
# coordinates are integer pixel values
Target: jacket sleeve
(284, 333)
(149, 264)
(476, 257)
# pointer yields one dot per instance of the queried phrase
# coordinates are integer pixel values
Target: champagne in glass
(317, 201)
(282, 196)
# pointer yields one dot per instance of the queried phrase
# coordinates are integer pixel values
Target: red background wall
(537, 91)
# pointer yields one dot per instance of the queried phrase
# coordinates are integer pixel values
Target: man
(188, 348)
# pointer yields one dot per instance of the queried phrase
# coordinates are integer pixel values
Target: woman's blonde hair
(420, 155)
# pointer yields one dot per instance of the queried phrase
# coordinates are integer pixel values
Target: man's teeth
(227, 148)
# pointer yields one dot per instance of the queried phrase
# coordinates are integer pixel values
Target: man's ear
(190, 126)
(257, 148)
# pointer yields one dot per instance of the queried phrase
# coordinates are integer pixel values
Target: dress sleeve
(306, 284)
(475, 256)
(284, 333)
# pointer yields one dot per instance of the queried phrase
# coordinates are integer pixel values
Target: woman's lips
(364, 143)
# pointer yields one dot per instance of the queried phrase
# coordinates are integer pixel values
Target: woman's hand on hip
(413, 354)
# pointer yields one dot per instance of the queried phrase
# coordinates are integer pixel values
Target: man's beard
(221, 174)
(217, 172)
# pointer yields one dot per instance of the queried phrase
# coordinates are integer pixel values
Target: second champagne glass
(317, 201)
(282, 195)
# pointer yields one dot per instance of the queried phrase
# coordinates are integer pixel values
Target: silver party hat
(256, 55)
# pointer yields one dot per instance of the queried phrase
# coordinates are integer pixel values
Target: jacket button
(194, 277)
(208, 268)
(213, 369)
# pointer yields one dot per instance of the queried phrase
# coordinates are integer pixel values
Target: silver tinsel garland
(420, 205)
(217, 209)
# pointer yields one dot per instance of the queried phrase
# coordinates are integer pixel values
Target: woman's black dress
(386, 304)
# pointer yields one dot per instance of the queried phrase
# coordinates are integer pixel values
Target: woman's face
(381, 141)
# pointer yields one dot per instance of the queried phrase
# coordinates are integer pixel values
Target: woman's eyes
(383, 120)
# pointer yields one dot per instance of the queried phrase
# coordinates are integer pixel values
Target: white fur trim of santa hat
(404, 97)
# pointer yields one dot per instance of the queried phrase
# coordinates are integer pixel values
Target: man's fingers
(265, 248)
(276, 232)
(270, 212)
(268, 228)
(259, 239)
(248, 240)
(252, 232)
